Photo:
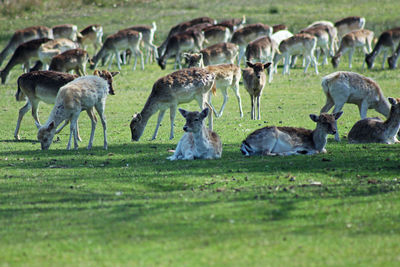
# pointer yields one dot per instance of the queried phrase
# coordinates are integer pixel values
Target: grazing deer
(84, 93)
(247, 34)
(392, 60)
(285, 141)
(349, 87)
(301, 43)
(233, 24)
(69, 31)
(169, 91)
(178, 43)
(117, 43)
(23, 55)
(198, 142)
(22, 36)
(213, 55)
(181, 27)
(254, 81)
(349, 43)
(326, 37)
(388, 41)
(53, 48)
(216, 34)
(92, 35)
(74, 59)
(349, 24)
(39, 86)
(147, 38)
(262, 49)
(374, 130)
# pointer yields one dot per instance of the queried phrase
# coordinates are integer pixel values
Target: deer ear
(183, 112)
(96, 72)
(204, 113)
(392, 100)
(251, 65)
(337, 115)
(114, 73)
(51, 126)
(314, 117)
(267, 65)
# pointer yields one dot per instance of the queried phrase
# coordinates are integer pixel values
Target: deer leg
(363, 108)
(118, 55)
(384, 58)
(94, 122)
(338, 107)
(211, 105)
(35, 105)
(241, 53)
(172, 114)
(237, 94)
(160, 117)
(258, 107)
(225, 94)
(252, 107)
(328, 105)
(351, 52)
(100, 106)
(21, 114)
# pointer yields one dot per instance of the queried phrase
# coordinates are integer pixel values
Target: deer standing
(74, 59)
(92, 35)
(388, 41)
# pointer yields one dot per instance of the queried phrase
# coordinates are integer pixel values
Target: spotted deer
(168, 92)
(213, 55)
(22, 36)
(91, 35)
(285, 141)
(216, 34)
(53, 48)
(74, 59)
(374, 130)
(349, 87)
(24, 53)
(198, 142)
(69, 31)
(349, 43)
(387, 41)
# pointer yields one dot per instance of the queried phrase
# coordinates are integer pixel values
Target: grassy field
(129, 206)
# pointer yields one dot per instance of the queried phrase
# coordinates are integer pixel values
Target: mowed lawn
(129, 206)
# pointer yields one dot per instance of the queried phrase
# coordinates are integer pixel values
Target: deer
(300, 43)
(83, 93)
(147, 38)
(216, 34)
(188, 40)
(179, 87)
(285, 141)
(22, 36)
(262, 49)
(247, 34)
(92, 35)
(24, 53)
(74, 59)
(374, 130)
(254, 79)
(117, 43)
(69, 31)
(349, 24)
(358, 38)
(213, 55)
(52, 48)
(198, 142)
(232, 24)
(349, 87)
(387, 41)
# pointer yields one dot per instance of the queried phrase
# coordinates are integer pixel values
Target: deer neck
(201, 139)
(319, 138)
(58, 115)
(383, 108)
(392, 124)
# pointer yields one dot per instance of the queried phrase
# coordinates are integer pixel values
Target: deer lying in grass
(374, 130)
(53, 48)
(169, 91)
(84, 93)
(388, 41)
(74, 59)
(285, 141)
(349, 43)
(198, 142)
(92, 35)
(22, 36)
(117, 43)
(254, 79)
(69, 31)
(349, 87)
(23, 55)
(262, 49)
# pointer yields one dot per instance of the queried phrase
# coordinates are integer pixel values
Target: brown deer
(388, 41)
(74, 59)
(53, 48)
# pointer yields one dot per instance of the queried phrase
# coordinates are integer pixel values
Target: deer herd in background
(62, 49)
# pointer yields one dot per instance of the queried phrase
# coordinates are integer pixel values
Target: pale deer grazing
(74, 59)
(168, 92)
(53, 48)
(24, 53)
(147, 38)
(326, 37)
(198, 142)
(388, 41)
(254, 81)
(349, 43)
(299, 44)
(262, 49)
(69, 31)
(349, 87)
(84, 93)
(216, 34)
(117, 43)
(349, 24)
(374, 130)
(91, 35)
(285, 141)
(247, 34)
(181, 42)
(22, 36)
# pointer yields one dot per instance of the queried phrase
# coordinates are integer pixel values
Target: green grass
(129, 206)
